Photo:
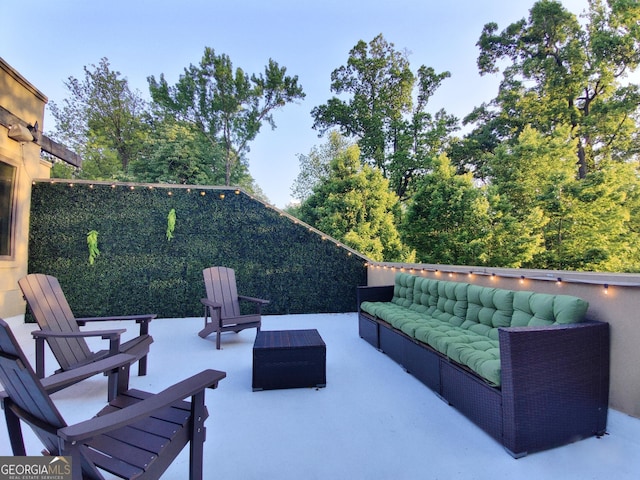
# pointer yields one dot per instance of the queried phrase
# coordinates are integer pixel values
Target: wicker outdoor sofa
(526, 367)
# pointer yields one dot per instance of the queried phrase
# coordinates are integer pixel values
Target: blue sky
(48, 41)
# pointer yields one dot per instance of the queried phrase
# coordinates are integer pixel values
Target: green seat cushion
(480, 354)
(370, 307)
(475, 351)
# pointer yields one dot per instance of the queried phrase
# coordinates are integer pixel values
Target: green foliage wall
(140, 271)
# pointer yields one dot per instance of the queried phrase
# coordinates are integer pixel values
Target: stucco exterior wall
(23, 100)
(618, 304)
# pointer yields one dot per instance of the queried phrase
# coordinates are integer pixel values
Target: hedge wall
(140, 270)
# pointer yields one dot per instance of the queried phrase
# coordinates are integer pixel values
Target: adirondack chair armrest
(143, 320)
(260, 301)
(62, 380)
(210, 303)
(98, 425)
(105, 334)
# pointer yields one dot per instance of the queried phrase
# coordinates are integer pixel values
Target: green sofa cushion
(425, 295)
(532, 309)
(403, 289)
(488, 309)
(370, 307)
(451, 306)
(482, 355)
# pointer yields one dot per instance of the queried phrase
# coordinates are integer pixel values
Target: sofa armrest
(382, 293)
(555, 384)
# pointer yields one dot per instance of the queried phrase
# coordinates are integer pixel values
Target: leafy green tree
(375, 105)
(177, 152)
(315, 166)
(227, 105)
(420, 137)
(593, 230)
(354, 205)
(561, 72)
(379, 82)
(584, 224)
(102, 120)
(447, 220)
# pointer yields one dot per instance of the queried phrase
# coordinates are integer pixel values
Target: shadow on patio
(372, 421)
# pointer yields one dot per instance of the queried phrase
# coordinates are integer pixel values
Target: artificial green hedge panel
(140, 270)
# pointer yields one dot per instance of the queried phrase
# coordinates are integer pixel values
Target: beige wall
(619, 305)
(24, 101)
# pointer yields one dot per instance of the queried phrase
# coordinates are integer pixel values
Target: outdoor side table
(289, 359)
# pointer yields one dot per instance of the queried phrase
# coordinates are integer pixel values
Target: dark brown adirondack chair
(61, 329)
(137, 435)
(222, 305)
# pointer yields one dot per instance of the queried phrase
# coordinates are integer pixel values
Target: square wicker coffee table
(289, 359)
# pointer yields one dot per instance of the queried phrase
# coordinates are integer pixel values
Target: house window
(7, 181)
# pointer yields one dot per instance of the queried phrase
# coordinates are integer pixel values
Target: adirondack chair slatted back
(51, 310)
(220, 283)
(26, 392)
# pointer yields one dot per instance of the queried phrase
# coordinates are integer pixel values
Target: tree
(226, 105)
(585, 224)
(380, 83)
(394, 136)
(315, 166)
(102, 120)
(354, 205)
(447, 220)
(564, 73)
(177, 152)
(419, 138)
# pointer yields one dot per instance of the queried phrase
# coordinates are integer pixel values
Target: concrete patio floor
(372, 421)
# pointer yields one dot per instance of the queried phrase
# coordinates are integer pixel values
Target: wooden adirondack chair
(137, 435)
(222, 306)
(61, 329)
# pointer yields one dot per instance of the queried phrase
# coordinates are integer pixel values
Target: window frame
(12, 209)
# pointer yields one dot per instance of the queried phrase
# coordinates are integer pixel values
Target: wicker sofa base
(545, 401)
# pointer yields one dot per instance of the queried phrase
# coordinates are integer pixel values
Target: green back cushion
(541, 309)
(403, 289)
(488, 308)
(451, 305)
(425, 295)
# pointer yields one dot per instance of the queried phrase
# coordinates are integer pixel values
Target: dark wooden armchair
(137, 435)
(61, 330)
(222, 305)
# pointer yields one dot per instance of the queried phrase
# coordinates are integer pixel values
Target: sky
(50, 41)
